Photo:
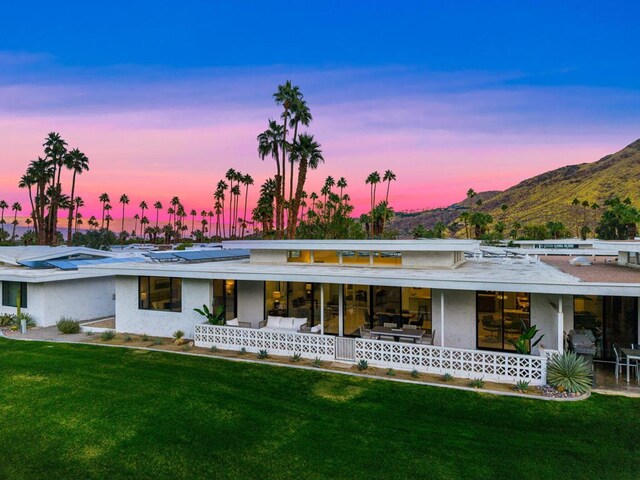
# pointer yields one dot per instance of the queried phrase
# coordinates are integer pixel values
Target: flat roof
(30, 275)
(561, 241)
(618, 245)
(423, 245)
(496, 274)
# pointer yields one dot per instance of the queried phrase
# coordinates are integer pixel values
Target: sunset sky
(163, 99)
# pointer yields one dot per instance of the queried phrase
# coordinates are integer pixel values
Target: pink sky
(154, 141)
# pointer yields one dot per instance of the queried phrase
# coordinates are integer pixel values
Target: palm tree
(234, 194)
(79, 203)
(55, 151)
(193, 214)
(269, 143)
(93, 222)
(576, 203)
(136, 217)
(373, 179)
(3, 206)
(77, 162)
(27, 181)
(143, 206)
(124, 200)
(16, 207)
(107, 209)
(210, 215)
(144, 221)
(313, 197)
(388, 177)
(247, 180)
(158, 207)
(300, 114)
(175, 203)
(308, 154)
(104, 198)
(341, 184)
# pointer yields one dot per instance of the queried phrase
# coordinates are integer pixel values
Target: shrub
(415, 373)
(178, 334)
(447, 377)
(362, 365)
(296, 357)
(17, 319)
(569, 372)
(68, 325)
(158, 341)
(214, 349)
(108, 335)
(476, 383)
(7, 320)
(522, 386)
(145, 337)
(127, 338)
(391, 372)
(317, 362)
(263, 354)
(243, 351)
(186, 347)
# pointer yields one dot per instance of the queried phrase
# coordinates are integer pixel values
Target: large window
(224, 293)
(160, 293)
(501, 318)
(10, 293)
(357, 308)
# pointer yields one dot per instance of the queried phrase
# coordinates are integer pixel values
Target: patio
(606, 381)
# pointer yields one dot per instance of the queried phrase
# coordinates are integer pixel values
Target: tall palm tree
(175, 203)
(124, 200)
(269, 144)
(247, 181)
(108, 208)
(231, 176)
(16, 207)
(388, 177)
(193, 214)
(143, 206)
(308, 154)
(79, 202)
(341, 184)
(3, 205)
(104, 198)
(77, 162)
(136, 217)
(55, 151)
(313, 197)
(300, 114)
(27, 181)
(373, 179)
(158, 207)
(144, 221)
(222, 187)
(234, 194)
(210, 215)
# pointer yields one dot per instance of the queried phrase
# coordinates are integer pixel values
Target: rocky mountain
(549, 196)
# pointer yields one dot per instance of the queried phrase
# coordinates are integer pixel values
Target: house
(49, 284)
(331, 299)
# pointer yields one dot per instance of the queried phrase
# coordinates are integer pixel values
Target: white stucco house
(50, 284)
(365, 300)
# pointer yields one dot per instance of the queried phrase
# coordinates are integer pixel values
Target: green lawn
(92, 412)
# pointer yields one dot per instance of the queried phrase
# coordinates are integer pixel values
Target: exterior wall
(129, 318)
(268, 256)
(428, 259)
(84, 299)
(545, 316)
(251, 302)
(459, 318)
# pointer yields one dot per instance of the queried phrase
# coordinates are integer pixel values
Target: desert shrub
(569, 372)
(263, 354)
(522, 386)
(158, 341)
(214, 349)
(391, 372)
(362, 365)
(107, 335)
(145, 337)
(447, 377)
(476, 383)
(414, 373)
(317, 362)
(7, 320)
(178, 334)
(243, 351)
(127, 338)
(68, 325)
(296, 357)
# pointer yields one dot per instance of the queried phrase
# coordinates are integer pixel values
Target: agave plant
(569, 372)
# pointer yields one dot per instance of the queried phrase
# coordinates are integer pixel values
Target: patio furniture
(314, 329)
(283, 324)
(383, 333)
(236, 323)
(630, 359)
(365, 333)
(390, 325)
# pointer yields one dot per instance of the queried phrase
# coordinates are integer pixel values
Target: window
(389, 259)
(224, 293)
(325, 256)
(298, 256)
(501, 318)
(356, 258)
(160, 293)
(10, 292)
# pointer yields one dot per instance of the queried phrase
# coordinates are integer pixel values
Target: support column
(322, 309)
(442, 318)
(560, 326)
(341, 310)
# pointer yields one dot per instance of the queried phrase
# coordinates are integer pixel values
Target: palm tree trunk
(293, 216)
(244, 215)
(71, 208)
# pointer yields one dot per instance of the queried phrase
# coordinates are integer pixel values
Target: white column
(560, 325)
(341, 310)
(442, 318)
(322, 309)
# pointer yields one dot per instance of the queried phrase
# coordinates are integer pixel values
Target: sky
(164, 97)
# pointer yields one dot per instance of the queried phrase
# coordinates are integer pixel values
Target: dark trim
(172, 306)
(24, 299)
(478, 347)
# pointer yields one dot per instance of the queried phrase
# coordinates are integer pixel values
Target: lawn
(89, 412)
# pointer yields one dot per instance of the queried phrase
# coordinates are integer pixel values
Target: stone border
(317, 369)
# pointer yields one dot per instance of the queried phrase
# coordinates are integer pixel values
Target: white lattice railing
(495, 366)
(308, 345)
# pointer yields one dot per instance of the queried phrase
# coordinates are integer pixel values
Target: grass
(90, 412)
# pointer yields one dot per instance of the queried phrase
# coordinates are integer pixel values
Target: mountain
(549, 196)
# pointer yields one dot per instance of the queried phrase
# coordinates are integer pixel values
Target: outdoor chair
(365, 333)
(621, 361)
(410, 327)
(390, 325)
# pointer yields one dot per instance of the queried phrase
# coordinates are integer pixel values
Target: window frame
(24, 299)
(173, 308)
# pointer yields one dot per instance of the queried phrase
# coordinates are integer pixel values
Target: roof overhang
(426, 245)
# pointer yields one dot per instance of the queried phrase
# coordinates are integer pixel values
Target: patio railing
(493, 366)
